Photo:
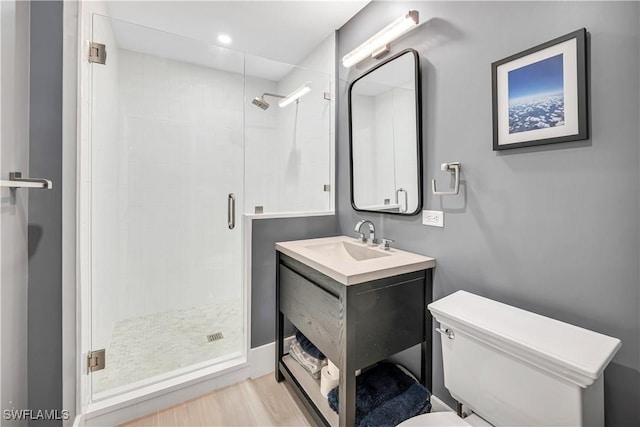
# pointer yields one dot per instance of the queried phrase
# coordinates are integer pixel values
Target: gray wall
(45, 209)
(266, 232)
(552, 229)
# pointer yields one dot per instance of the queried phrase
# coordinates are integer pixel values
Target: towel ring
(454, 168)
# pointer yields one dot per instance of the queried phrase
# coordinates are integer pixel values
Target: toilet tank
(514, 367)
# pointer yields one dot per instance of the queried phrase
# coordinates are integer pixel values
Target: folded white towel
(310, 363)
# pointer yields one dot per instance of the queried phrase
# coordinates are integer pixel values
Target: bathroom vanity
(358, 304)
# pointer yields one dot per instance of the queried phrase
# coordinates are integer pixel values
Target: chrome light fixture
(379, 43)
(295, 95)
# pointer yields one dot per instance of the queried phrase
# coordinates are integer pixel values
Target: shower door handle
(231, 211)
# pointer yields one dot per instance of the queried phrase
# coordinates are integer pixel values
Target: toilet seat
(440, 419)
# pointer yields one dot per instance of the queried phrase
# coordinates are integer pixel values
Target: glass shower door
(167, 175)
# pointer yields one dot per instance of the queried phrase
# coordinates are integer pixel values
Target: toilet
(511, 367)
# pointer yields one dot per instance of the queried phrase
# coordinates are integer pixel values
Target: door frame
(15, 26)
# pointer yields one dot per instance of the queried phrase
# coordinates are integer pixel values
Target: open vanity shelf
(355, 325)
(305, 383)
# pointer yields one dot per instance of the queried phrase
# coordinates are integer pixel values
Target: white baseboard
(262, 360)
(140, 403)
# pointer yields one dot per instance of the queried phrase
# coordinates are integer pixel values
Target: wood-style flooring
(258, 402)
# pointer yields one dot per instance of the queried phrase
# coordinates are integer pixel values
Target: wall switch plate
(433, 218)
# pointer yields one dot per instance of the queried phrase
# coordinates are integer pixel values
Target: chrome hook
(454, 168)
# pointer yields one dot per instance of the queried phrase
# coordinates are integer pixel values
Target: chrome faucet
(372, 230)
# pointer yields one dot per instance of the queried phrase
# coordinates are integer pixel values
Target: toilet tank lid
(577, 354)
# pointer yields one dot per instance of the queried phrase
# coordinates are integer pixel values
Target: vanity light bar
(381, 39)
(295, 95)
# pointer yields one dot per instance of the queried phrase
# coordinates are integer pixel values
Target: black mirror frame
(418, 87)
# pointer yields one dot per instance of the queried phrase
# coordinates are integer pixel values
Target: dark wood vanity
(354, 325)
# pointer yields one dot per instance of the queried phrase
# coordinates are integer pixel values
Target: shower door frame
(130, 404)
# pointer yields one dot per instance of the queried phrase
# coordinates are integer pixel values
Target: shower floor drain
(215, 337)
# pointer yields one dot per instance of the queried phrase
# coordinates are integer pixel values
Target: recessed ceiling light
(224, 39)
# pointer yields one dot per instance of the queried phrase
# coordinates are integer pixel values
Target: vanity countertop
(348, 261)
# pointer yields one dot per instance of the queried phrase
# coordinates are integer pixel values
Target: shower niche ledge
(358, 304)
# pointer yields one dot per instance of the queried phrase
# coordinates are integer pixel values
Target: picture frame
(540, 94)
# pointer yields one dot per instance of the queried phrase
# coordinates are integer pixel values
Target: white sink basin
(347, 250)
(349, 261)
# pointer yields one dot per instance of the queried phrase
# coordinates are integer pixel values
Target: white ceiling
(161, 44)
(282, 30)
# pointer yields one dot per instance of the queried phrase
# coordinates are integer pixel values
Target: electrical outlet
(433, 218)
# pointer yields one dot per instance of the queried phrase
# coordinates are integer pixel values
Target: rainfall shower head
(260, 102)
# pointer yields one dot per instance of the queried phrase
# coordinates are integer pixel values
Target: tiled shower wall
(160, 186)
(288, 150)
(181, 145)
(170, 141)
(303, 152)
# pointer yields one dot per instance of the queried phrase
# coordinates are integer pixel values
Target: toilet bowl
(514, 367)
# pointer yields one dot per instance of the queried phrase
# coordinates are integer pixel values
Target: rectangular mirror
(385, 141)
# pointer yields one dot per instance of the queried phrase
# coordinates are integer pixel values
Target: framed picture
(540, 95)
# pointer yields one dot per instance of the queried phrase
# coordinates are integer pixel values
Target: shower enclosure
(177, 152)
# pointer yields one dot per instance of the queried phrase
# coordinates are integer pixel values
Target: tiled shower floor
(151, 345)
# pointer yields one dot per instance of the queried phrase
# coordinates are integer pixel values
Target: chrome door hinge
(95, 360)
(97, 53)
